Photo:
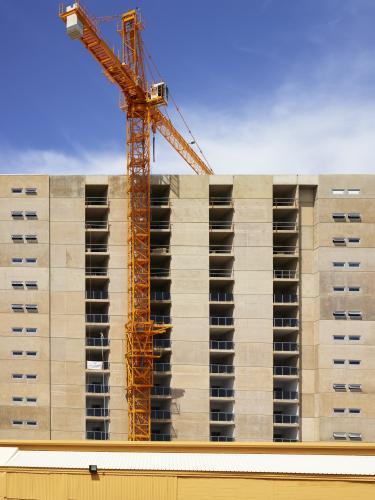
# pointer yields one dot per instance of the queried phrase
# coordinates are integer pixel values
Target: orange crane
(142, 103)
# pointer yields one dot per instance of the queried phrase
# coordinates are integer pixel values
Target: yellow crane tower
(142, 103)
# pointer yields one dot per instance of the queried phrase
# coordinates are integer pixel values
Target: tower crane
(142, 102)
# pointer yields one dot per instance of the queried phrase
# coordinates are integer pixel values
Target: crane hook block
(74, 27)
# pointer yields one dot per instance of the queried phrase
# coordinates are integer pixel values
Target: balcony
(284, 227)
(281, 394)
(285, 419)
(96, 295)
(97, 365)
(285, 371)
(96, 225)
(216, 369)
(161, 437)
(221, 225)
(96, 248)
(221, 297)
(163, 392)
(97, 388)
(97, 435)
(97, 342)
(162, 368)
(160, 415)
(97, 272)
(220, 201)
(160, 273)
(97, 318)
(221, 392)
(220, 249)
(285, 274)
(160, 202)
(285, 250)
(221, 273)
(221, 345)
(97, 412)
(285, 203)
(221, 416)
(160, 319)
(96, 201)
(286, 347)
(285, 322)
(285, 298)
(161, 225)
(222, 439)
(160, 296)
(221, 321)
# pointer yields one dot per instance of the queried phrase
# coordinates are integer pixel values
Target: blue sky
(266, 85)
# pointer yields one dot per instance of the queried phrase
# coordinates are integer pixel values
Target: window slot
(355, 436)
(339, 217)
(357, 315)
(16, 260)
(354, 361)
(31, 215)
(17, 285)
(338, 337)
(31, 285)
(339, 288)
(17, 354)
(31, 330)
(354, 337)
(337, 240)
(17, 238)
(338, 191)
(31, 260)
(338, 264)
(16, 190)
(339, 410)
(355, 387)
(354, 411)
(339, 436)
(354, 217)
(31, 191)
(17, 329)
(354, 239)
(354, 264)
(31, 238)
(354, 192)
(17, 215)
(339, 314)
(339, 361)
(339, 387)
(18, 308)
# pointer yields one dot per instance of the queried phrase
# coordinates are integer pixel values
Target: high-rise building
(265, 284)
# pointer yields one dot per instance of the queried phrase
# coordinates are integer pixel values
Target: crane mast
(142, 105)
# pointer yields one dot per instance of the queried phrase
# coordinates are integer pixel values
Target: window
(31, 330)
(31, 191)
(338, 264)
(16, 214)
(16, 260)
(355, 436)
(354, 337)
(355, 387)
(31, 308)
(339, 314)
(338, 240)
(17, 422)
(31, 215)
(17, 376)
(31, 260)
(17, 399)
(354, 239)
(339, 410)
(16, 329)
(18, 308)
(17, 354)
(354, 192)
(354, 361)
(355, 411)
(338, 288)
(339, 436)
(17, 285)
(17, 238)
(339, 387)
(30, 376)
(339, 361)
(354, 288)
(355, 315)
(31, 354)
(338, 192)
(31, 238)
(31, 401)
(16, 190)
(354, 264)
(354, 217)
(338, 337)
(339, 217)
(31, 285)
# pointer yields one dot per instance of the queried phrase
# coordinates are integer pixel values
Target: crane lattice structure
(142, 103)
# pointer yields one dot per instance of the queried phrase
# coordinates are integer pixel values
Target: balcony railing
(97, 412)
(162, 367)
(96, 200)
(97, 388)
(160, 319)
(161, 391)
(160, 415)
(221, 369)
(220, 201)
(284, 202)
(160, 295)
(96, 271)
(97, 318)
(285, 440)
(162, 201)
(222, 439)
(221, 392)
(160, 249)
(284, 226)
(97, 342)
(96, 224)
(285, 250)
(97, 248)
(285, 322)
(162, 343)
(220, 249)
(221, 320)
(285, 370)
(97, 365)
(288, 395)
(221, 273)
(98, 435)
(288, 274)
(285, 298)
(221, 225)
(285, 419)
(285, 346)
(223, 345)
(160, 225)
(221, 297)
(221, 416)
(161, 437)
(96, 294)
(160, 272)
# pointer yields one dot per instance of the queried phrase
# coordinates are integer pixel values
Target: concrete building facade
(265, 285)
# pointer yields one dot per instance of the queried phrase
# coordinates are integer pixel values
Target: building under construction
(263, 284)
